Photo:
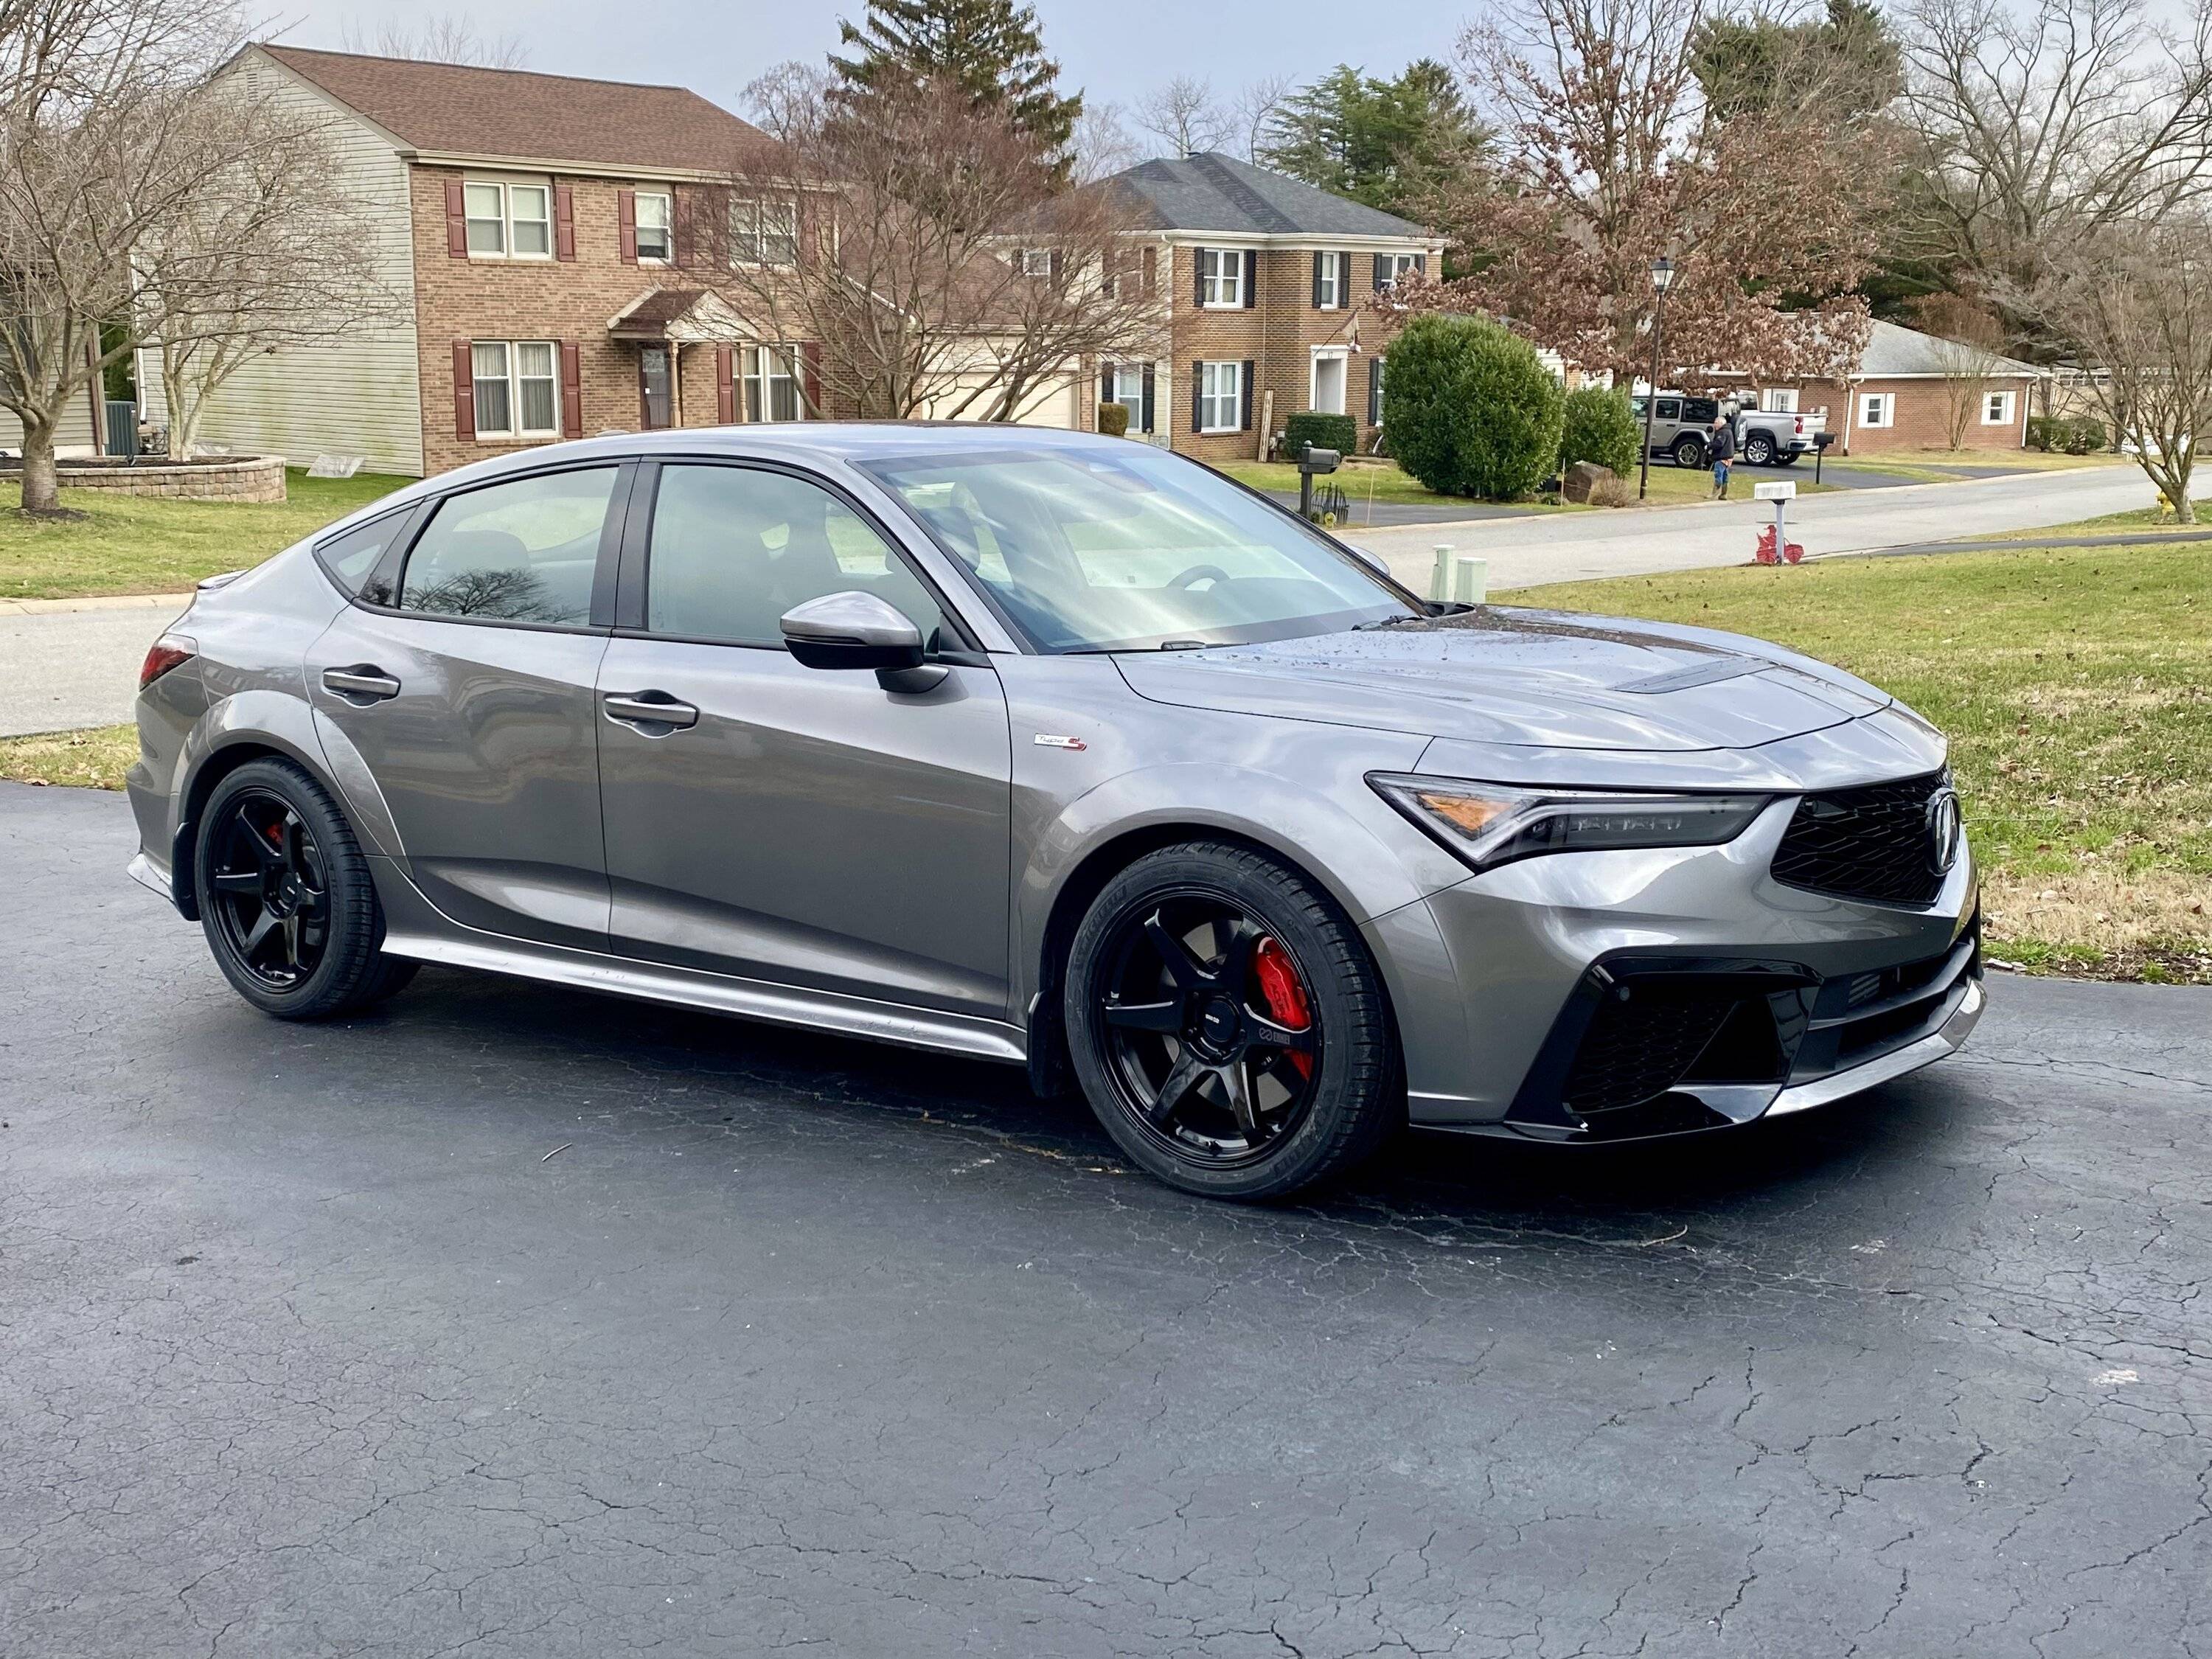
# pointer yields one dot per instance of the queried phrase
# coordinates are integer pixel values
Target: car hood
(1503, 676)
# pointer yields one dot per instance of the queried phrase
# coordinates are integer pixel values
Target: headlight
(1489, 824)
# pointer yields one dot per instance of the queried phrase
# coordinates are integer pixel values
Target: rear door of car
(466, 673)
(800, 826)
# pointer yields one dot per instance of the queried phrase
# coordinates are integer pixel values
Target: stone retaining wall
(251, 478)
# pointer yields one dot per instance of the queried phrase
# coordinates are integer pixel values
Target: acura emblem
(1943, 825)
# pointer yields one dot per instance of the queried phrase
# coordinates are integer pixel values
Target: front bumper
(1593, 997)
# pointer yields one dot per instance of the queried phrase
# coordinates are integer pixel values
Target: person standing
(1721, 445)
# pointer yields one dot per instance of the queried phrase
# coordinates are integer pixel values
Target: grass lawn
(1941, 466)
(96, 758)
(2076, 686)
(140, 544)
(1670, 485)
(2150, 521)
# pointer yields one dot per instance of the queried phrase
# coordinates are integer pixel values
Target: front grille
(1871, 843)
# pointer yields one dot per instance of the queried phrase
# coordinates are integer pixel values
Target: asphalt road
(530, 1324)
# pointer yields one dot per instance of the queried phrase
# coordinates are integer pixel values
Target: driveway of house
(528, 1324)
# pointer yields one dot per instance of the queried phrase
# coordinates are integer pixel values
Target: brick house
(1900, 398)
(1268, 282)
(537, 229)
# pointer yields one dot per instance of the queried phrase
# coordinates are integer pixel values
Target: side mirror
(1368, 557)
(854, 629)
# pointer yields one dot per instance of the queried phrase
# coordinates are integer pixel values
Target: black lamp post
(1663, 278)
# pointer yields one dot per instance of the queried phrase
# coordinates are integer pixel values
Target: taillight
(162, 656)
(1800, 425)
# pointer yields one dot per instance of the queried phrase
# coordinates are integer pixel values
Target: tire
(285, 898)
(1788, 458)
(1689, 451)
(1759, 450)
(1263, 949)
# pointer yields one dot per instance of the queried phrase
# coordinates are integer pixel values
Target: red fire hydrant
(1791, 552)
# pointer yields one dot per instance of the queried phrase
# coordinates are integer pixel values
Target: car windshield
(1096, 550)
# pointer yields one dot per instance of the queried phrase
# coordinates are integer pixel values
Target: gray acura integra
(1059, 751)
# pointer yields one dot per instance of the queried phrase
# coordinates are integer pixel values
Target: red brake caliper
(1285, 997)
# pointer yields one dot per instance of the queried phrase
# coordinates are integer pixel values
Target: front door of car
(800, 826)
(467, 678)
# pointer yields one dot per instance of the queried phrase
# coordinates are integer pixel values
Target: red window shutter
(464, 392)
(810, 355)
(726, 387)
(564, 222)
(457, 220)
(626, 210)
(572, 391)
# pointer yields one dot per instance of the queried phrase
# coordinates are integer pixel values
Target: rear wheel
(1689, 451)
(285, 898)
(1228, 1025)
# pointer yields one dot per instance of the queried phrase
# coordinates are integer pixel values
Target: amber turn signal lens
(1470, 814)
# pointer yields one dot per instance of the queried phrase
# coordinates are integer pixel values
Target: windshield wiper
(1385, 621)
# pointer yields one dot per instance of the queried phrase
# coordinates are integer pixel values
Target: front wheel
(1759, 450)
(285, 898)
(1228, 1025)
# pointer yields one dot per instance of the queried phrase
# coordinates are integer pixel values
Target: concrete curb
(93, 602)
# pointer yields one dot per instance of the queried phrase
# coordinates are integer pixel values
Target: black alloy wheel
(1209, 1027)
(286, 898)
(271, 890)
(1228, 1023)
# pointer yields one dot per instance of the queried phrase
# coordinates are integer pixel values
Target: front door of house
(654, 403)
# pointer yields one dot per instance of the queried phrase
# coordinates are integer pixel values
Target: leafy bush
(2085, 435)
(1113, 420)
(1309, 426)
(2046, 432)
(1598, 426)
(1470, 409)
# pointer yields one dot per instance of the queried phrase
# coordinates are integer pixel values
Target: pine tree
(1386, 143)
(992, 49)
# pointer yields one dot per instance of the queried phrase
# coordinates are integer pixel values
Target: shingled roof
(458, 109)
(1217, 192)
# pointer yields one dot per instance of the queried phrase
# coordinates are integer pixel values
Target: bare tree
(2040, 122)
(1969, 352)
(1252, 110)
(106, 140)
(1613, 159)
(1186, 117)
(441, 38)
(1102, 145)
(2138, 305)
(268, 254)
(928, 260)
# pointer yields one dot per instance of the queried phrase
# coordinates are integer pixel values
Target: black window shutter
(1374, 392)
(1145, 421)
(1105, 383)
(1056, 267)
(1198, 396)
(1345, 267)
(1245, 424)
(1317, 260)
(1198, 267)
(1381, 272)
(1251, 277)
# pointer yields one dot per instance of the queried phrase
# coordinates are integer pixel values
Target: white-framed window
(770, 376)
(1877, 408)
(764, 233)
(1221, 272)
(656, 228)
(1397, 265)
(1330, 283)
(518, 388)
(1780, 400)
(1129, 392)
(1220, 397)
(1036, 262)
(1997, 409)
(508, 221)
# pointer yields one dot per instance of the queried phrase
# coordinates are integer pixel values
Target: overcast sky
(1114, 48)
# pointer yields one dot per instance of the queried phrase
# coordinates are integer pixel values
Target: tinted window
(524, 551)
(733, 549)
(1670, 409)
(1703, 410)
(350, 557)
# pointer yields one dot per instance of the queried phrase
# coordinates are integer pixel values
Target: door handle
(646, 710)
(364, 683)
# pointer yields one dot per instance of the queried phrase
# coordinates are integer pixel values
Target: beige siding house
(74, 437)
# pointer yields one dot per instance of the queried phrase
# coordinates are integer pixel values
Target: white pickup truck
(1763, 437)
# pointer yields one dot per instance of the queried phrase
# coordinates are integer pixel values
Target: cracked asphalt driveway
(520, 1322)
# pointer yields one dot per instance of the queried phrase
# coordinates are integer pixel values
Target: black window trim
(629, 613)
(392, 567)
(321, 546)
